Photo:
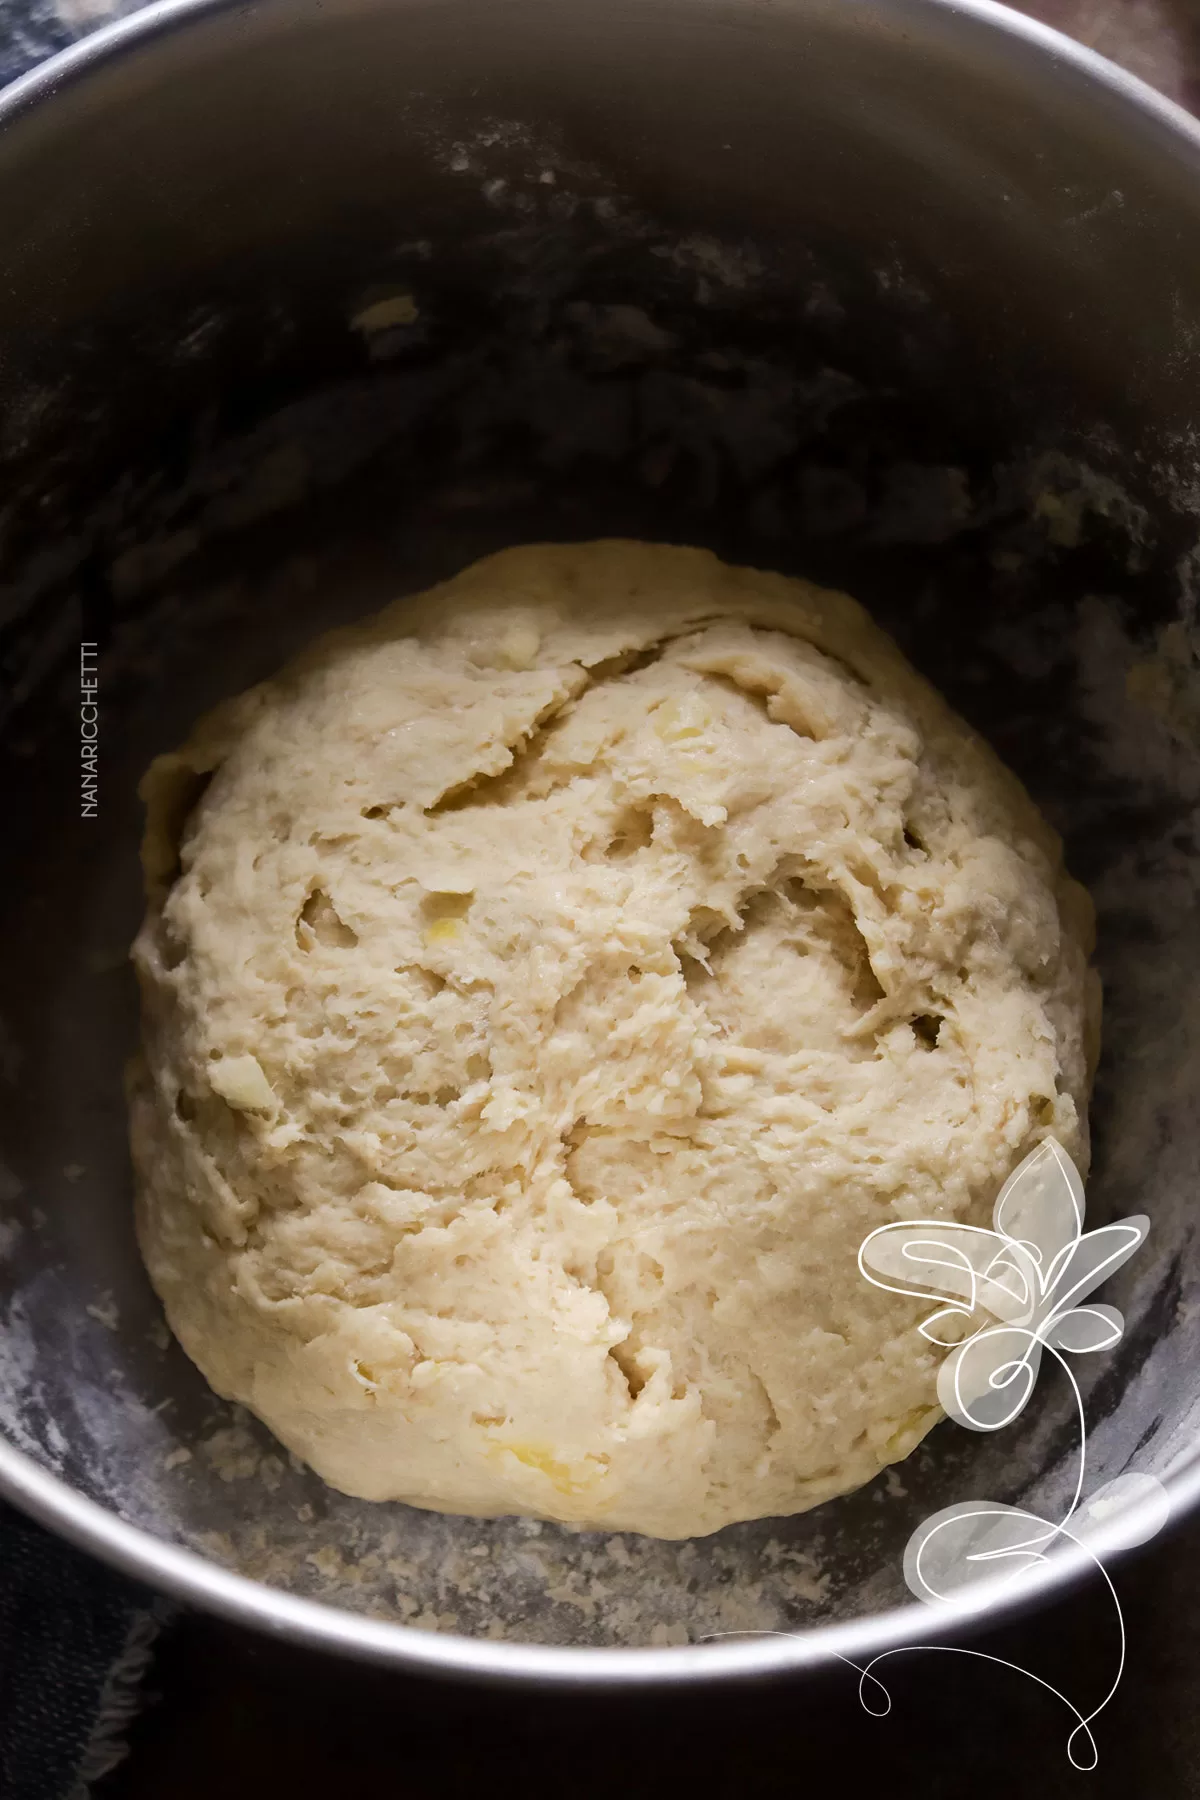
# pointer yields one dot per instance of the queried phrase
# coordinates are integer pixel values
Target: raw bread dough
(559, 976)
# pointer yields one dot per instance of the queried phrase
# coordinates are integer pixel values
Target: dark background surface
(231, 1714)
(240, 1717)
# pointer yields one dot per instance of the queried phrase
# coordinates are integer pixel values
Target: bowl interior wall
(858, 293)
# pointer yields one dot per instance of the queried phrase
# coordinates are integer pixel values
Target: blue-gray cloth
(30, 31)
(75, 1641)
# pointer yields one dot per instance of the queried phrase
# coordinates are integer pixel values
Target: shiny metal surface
(900, 294)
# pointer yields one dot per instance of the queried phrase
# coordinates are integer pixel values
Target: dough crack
(498, 789)
(319, 922)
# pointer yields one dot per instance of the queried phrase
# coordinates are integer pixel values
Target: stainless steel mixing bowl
(305, 303)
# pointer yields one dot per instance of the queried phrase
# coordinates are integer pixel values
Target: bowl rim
(192, 1578)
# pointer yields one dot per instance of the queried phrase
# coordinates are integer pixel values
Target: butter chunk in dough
(559, 975)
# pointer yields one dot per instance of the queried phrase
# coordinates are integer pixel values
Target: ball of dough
(546, 987)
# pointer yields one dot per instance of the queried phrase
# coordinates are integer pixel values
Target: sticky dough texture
(559, 976)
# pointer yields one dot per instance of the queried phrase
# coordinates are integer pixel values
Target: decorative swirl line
(1020, 1287)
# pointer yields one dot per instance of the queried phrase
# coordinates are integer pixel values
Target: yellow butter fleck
(566, 1478)
(909, 1431)
(428, 1371)
(679, 721)
(443, 931)
(240, 1080)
